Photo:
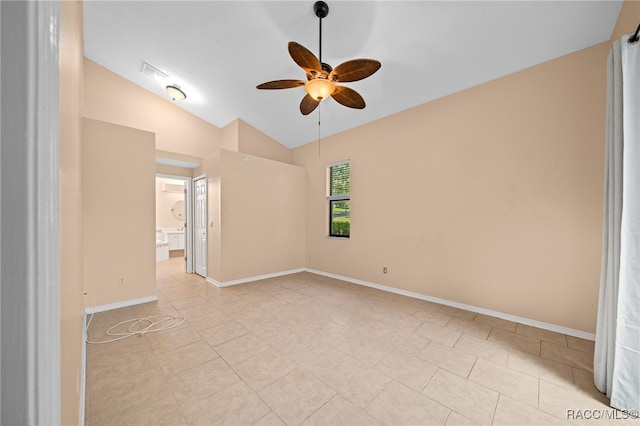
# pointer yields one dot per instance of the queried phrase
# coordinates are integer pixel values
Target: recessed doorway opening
(174, 219)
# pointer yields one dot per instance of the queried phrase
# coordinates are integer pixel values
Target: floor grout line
(303, 302)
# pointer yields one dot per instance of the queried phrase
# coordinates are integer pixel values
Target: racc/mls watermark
(600, 414)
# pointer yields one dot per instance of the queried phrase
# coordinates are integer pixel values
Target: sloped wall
(113, 99)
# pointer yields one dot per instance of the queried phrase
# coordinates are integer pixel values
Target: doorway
(174, 219)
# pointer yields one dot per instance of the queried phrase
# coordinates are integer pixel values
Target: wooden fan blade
(308, 104)
(348, 97)
(304, 58)
(280, 84)
(354, 70)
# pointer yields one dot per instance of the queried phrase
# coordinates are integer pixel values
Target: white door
(200, 225)
(188, 236)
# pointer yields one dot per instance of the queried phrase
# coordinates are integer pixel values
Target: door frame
(189, 232)
(30, 219)
(206, 213)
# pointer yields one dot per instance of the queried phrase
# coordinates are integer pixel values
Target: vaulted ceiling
(218, 51)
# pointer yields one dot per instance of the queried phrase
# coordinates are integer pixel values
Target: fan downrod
(321, 9)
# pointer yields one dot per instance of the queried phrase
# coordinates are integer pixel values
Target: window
(339, 197)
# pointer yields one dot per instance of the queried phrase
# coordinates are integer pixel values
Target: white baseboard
(489, 312)
(509, 317)
(251, 279)
(117, 305)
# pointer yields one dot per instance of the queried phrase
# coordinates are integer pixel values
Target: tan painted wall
(111, 98)
(253, 141)
(628, 19)
(118, 211)
(211, 168)
(177, 156)
(164, 169)
(240, 136)
(262, 216)
(230, 136)
(164, 204)
(490, 197)
(71, 286)
(176, 170)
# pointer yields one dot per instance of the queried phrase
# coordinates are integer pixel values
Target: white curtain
(617, 353)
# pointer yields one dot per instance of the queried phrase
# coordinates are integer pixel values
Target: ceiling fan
(321, 77)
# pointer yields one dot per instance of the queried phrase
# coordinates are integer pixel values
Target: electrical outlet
(261, 261)
(384, 270)
(122, 281)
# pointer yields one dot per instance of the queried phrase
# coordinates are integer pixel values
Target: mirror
(178, 210)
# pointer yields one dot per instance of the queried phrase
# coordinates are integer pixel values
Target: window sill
(329, 237)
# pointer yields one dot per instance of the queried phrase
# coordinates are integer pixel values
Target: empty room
(363, 212)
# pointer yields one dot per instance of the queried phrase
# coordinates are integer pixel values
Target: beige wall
(230, 136)
(164, 169)
(71, 286)
(628, 20)
(179, 158)
(490, 197)
(165, 202)
(111, 98)
(118, 212)
(211, 167)
(262, 216)
(240, 136)
(253, 141)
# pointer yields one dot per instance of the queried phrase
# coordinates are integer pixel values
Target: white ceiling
(218, 51)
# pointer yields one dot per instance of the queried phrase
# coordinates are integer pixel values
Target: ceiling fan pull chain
(319, 108)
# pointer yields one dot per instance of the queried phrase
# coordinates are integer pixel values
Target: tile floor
(306, 349)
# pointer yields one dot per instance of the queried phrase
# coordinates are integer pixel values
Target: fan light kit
(321, 77)
(320, 88)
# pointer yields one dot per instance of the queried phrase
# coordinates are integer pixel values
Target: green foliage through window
(339, 196)
(340, 218)
(340, 179)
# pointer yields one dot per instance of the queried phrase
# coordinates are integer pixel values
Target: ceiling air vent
(153, 73)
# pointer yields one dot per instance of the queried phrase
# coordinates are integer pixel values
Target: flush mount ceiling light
(321, 77)
(175, 92)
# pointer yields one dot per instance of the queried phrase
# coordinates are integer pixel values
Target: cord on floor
(137, 327)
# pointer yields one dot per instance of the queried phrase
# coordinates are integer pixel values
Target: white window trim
(335, 198)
